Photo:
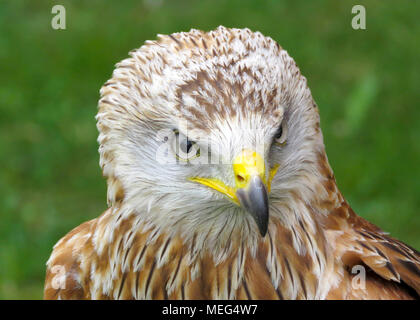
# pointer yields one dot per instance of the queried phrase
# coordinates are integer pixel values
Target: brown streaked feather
(393, 266)
(161, 269)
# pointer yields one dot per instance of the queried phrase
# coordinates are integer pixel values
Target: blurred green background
(366, 84)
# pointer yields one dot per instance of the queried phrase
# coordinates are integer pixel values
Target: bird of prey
(219, 186)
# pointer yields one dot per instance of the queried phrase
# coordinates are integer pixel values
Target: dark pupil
(279, 132)
(186, 146)
(189, 145)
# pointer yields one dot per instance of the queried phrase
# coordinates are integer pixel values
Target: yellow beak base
(245, 166)
(251, 186)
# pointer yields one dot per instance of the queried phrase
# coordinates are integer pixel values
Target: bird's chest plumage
(140, 265)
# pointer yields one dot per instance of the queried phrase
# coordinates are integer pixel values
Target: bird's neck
(295, 245)
(290, 262)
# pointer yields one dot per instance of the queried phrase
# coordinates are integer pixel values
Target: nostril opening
(240, 178)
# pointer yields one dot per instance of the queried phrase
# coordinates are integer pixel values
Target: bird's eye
(184, 148)
(280, 136)
(279, 133)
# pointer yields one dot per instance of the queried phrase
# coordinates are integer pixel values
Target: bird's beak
(251, 186)
(251, 189)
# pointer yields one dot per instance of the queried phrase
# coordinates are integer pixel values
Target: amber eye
(280, 136)
(184, 148)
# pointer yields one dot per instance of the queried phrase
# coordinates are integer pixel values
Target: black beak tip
(263, 229)
(262, 221)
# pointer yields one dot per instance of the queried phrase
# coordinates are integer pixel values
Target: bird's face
(228, 164)
(234, 163)
(205, 135)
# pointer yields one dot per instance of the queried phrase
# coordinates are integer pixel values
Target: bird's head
(202, 133)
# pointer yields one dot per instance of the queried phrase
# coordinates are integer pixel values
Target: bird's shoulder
(392, 268)
(63, 276)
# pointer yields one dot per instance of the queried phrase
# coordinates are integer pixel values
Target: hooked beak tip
(254, 199)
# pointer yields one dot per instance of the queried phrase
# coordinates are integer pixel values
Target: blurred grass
(366, 84)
